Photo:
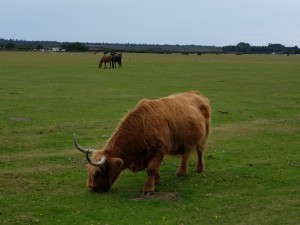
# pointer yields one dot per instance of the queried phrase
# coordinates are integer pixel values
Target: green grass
(252, 160)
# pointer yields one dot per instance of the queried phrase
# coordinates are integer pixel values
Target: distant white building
(55, 50)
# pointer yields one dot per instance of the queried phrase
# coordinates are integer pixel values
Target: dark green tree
(39, 47)
(243, 47)
(276, 47)
(75, 47)
(10, 46)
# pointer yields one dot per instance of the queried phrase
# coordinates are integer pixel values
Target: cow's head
(103, 170)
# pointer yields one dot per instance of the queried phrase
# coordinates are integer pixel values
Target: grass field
(252, 159)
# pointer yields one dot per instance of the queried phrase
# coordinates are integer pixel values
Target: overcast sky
(199, 22)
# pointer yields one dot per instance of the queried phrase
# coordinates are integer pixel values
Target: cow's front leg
(153, 174)
(149, 185)
(157, 178)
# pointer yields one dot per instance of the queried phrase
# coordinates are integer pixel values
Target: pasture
(252, 159)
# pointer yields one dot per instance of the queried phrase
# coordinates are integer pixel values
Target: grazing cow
(172, 125)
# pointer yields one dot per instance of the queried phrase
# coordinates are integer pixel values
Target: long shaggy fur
(175, 124)
(172, 125)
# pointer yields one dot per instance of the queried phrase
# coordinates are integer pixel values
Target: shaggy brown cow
(172, 125)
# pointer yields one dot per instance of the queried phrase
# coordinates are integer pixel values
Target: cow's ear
(117, 163)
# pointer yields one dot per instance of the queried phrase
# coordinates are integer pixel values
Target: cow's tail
(206, 112)
(205, 109)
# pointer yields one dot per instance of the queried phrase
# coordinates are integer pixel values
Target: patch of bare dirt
(166, 196)
(20, 118)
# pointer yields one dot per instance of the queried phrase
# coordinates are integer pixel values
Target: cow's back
(176, 122)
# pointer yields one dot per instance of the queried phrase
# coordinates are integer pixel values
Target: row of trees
(243, 47)
(108, 47)
(27, 46)
(75, 47)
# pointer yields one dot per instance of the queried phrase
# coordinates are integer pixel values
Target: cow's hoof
(180, 174)
(148, 193)
(200, 170)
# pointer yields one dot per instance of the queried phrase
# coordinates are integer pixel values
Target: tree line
(103, 47)
(240, 48)
(21, 45)
(246, 48)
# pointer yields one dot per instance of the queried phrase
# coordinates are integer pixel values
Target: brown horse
(105, 59)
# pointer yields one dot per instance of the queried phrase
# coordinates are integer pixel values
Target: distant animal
(174, 125)
(117, 58)
(106, 59)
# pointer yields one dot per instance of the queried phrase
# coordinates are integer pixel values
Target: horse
(117, 59)
(106, 59)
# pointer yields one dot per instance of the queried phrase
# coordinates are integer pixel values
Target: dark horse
(106, 59)
(117, 58)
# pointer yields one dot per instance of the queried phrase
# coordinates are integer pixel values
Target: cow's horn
(99, 163)
(84, 150)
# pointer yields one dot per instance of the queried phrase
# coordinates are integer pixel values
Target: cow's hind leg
(200, 163)
(183, 165)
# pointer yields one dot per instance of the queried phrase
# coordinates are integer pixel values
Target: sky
(188, 22)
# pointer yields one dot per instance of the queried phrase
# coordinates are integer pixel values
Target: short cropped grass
(252, 159)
